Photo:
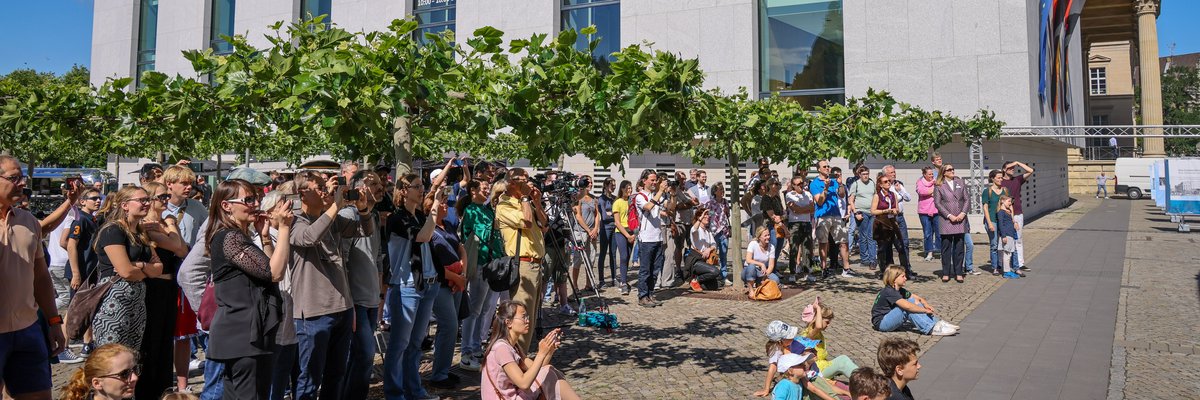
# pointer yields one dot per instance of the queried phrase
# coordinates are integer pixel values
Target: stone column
(1151, 82)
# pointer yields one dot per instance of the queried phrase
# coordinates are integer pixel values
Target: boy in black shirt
(898, 360)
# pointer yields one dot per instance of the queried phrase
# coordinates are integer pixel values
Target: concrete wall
(1083, 176)
(114, 40)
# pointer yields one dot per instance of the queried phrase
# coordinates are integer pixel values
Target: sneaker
(469, 363)
(450, 382)
(1025, 268)
(951, 325)
(974, 272)
(929, 256)
(647, 303)
(941, 329)
(429, 396)
(87, 349)
(728, 282)
(76, 344)
(849, 273)
(1011, 275)
(996, 272)
(696, 286)
(195, 365)
(69, 357)
(810, 278)
(624, 290)
(566, 310)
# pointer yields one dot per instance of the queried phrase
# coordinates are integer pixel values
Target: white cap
(790, 360)
(433, 175)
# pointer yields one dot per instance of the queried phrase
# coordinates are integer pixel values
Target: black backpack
(503, 273)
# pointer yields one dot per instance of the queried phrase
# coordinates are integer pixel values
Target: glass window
(605, 15)
(1099, 80)
(801, 50)
(433, 16)
(147, 37)
(221, 24)
(315, 8)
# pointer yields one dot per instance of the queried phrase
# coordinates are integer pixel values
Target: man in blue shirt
(830, 226)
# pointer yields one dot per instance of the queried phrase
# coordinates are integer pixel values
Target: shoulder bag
(766, 291)
(503, 273)
(84, 305)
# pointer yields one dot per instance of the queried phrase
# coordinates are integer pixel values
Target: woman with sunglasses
(885, 209)
(249, 305)
(111, 372)
(162, 301)
(951, 199)
(126, 255)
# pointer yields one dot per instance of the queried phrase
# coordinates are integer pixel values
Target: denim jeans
(968, 252)
(623, 247)
(323, 350)
(411, 310)
(479, 294)
(750, 273)
(895, 318)
(866, 244)
(723, 252)
(283, 378)
(214, 389)
(929, 229)
(1101, 188)
(651, 255)
(445, 311)
(993, 249)
(362, 354)
(607, 250)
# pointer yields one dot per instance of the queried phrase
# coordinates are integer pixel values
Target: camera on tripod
(565, 183)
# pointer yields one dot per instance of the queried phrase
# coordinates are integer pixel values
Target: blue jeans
(623, 250)
(651, 255)
(929, 229)
(750, 273)
(895, 318)
(214, 389)
(969, 252)
(866, 244)
(993, 249)
(362, 354)
(1101, 188)
(283, 380)
(606, 249)
(723, 251)
(445, 311)
(473, 325)
(411, 310)
(324, 349)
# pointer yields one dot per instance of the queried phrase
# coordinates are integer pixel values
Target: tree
(48, 119)
(1181, 106)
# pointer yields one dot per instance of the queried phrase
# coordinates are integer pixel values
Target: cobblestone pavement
(692, 347)
(1156, 352)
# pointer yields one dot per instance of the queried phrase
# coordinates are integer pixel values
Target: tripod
(560, 202)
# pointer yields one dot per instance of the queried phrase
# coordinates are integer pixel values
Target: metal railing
(1102, 131)
(1110, 153)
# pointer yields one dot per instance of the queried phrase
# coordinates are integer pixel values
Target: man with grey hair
(902, 197)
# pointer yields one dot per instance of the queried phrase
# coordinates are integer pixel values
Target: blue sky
(53, 35)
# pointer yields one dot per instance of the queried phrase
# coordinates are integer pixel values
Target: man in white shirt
(651, 249)
(902, 197)
(800, 206)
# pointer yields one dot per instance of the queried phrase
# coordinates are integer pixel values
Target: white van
(1133, 176)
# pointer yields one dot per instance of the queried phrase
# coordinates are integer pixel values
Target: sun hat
(787, 361)
(779, 330)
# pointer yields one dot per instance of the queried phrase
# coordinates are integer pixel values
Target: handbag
(208, 305)
(884, 229)
(713, 258)
(503, 273)
(84, 305)
(766, 291)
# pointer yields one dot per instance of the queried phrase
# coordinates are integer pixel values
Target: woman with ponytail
(508, 374)
(111, 372)
(126, 253)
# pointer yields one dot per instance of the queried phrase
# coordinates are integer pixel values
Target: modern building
(1023, 62)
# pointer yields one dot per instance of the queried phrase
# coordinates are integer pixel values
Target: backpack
(633, 221)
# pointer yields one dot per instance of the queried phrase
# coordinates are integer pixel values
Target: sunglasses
(247, 201)
(93, 198)
(163, 197)
(125, 375)
(949, 169)
(884, 182)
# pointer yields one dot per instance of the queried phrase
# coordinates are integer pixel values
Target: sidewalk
(1046, 336)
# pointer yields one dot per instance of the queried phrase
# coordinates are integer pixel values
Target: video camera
(566, 183)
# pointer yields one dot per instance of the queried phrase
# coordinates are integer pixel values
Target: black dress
(158, 339)
(249, 312)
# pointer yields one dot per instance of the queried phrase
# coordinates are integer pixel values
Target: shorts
(185, 319)
(62, 287)
(24, 361)
(1009, 247)
(835, 226)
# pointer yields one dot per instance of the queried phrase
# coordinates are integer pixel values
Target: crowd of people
(282, 284)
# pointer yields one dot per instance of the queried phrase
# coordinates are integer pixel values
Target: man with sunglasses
(1013, 182)
(24, 289)
(831, 226)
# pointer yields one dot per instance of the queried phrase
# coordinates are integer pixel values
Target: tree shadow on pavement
(647, 347)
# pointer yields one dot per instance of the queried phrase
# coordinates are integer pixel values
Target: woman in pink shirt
(928, 211)
(508, 374)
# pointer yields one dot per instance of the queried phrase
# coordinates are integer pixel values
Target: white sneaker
(956, 327)
(941, 329)
(928, 256)
(69, 357)
(195, 365)
(728, 282)
(848, 273)
(469, 363)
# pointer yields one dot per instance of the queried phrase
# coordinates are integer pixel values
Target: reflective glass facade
(433, 16)
(221, 24)
(605, 15)
(801, 55)
(314, 8)
(147, 36)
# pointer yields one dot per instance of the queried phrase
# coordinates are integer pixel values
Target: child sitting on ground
(1006, 228)
(817, 386)
(866, 384)
(779, 341)
(792, 366)
(894, 305)
(840, 365)
(898, 360)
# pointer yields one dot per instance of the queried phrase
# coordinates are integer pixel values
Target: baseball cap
(779, 330)
(250, 175)
(433, 175)
(787, 361)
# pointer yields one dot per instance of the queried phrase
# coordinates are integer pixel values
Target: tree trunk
(402, 145)
(735, 220)
(218, 167)
(118, 175)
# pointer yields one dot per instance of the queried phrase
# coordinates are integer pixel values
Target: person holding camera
(363, 257)
(651, 249)
(521, 218)
(831, 226)
(322, 306)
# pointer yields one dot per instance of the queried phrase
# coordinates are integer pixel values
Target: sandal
(945, 279)
(959, 279)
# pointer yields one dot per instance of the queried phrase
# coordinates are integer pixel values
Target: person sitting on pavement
(894, 305)
(898, 359)
(760, 260)
(700, 260)
(111, 372)
(866, 384)
(816, 386)
(793, 369)
(510, 374)
(779, 343)
(818, 317)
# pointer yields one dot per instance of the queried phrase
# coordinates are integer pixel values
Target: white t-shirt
(901, 194)
(58, 255)
(758, 254)
(700, 193)
(798, 199)
(702, 238)
(650, 223)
